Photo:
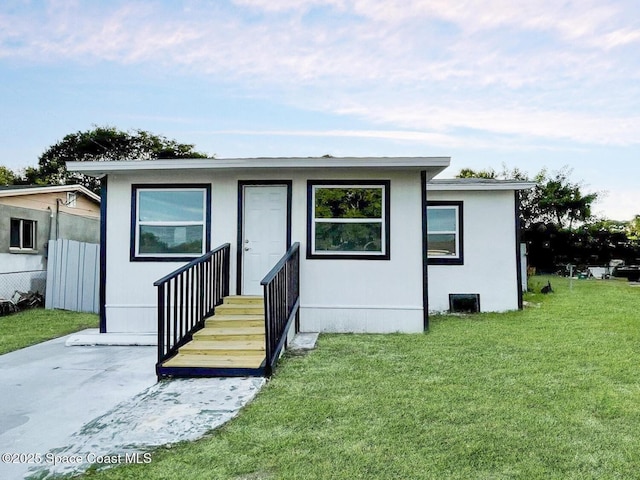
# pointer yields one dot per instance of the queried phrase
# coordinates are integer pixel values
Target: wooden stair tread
(229, 330)
(247, 299)
(214, 345)
(215, 361)
(238, 324)
(229, 317)
(240, 310)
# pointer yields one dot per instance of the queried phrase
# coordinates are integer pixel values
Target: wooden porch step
(244, 299)
(215, 361)
(226, 333)
(231, 317)
(224, 347)
(217, 323)
(240, 309)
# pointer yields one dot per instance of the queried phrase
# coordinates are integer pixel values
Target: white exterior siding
(336, 295)
(490, 267)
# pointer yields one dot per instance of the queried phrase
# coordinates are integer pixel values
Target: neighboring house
(381, 244)
(32, 215)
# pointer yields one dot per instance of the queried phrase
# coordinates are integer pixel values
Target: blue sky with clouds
(529, 84)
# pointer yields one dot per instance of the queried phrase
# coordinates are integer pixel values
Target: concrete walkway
(64, 408)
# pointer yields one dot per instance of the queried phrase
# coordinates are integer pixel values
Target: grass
(29, 327)
(552, 392)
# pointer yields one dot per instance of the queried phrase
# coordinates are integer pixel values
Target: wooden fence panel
(73, 276)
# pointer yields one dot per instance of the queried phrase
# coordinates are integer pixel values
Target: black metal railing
(189, 295)
(281, 304)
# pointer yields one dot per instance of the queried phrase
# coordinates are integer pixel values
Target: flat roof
(478, 184)
(99, 169)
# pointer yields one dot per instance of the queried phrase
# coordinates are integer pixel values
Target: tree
(7, 177)
(470, 173)
(550, 211)
(555, 198)
(561, 201)
(102, 144)
(633, 228)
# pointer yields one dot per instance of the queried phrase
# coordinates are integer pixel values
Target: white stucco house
(381, 243)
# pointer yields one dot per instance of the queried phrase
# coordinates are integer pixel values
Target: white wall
(489, 253)
(336, 295)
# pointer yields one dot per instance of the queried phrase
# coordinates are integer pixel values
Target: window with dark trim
(170, 222)
(348, 219)
(22, 235)
(445, 233)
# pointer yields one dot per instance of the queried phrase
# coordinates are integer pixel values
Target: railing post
(161, 313)
(225, 283)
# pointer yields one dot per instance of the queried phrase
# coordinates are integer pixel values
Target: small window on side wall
(22, 234)
(445, 233)
(71, 199)
(169, 222)
(348, 220)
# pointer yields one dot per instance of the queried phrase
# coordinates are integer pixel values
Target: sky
(530, 84)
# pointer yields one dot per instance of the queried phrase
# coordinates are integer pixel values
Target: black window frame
(134, 256)
(458, 259)
(21, 224)
(386, 219)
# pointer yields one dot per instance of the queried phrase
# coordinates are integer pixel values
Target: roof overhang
(49, 189)
(470, 184)
(433, 165)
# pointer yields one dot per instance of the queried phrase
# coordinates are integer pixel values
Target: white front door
(264, 233)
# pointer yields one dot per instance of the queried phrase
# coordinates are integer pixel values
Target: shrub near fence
(73, 276)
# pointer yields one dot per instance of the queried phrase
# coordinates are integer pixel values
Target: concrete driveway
(64, 408)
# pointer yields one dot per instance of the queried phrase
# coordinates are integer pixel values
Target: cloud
(537, 69)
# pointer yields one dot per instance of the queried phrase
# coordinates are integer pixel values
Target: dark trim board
(387, 220)
(202, 372)
(518, 240)
(103, 255)
(240, 231)
(425, 249)
(459, 260)
(168, 186)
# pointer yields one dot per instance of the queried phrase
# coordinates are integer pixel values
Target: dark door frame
(240, 234)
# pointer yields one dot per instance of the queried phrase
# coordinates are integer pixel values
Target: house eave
(98, 169)
(445, 185)
(50, 189)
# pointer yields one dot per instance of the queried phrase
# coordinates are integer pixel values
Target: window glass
(170, 239)
(27, 234)
(348, 203)
(170, 205)
(15, 233)
(349, 237)
(441, 244)
(442, 219)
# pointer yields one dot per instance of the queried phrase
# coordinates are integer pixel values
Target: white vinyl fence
(73, 278)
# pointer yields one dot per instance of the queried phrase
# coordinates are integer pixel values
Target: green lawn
(29, 327)
(552, 392)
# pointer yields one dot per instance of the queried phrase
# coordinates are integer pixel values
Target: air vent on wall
(464, 302)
